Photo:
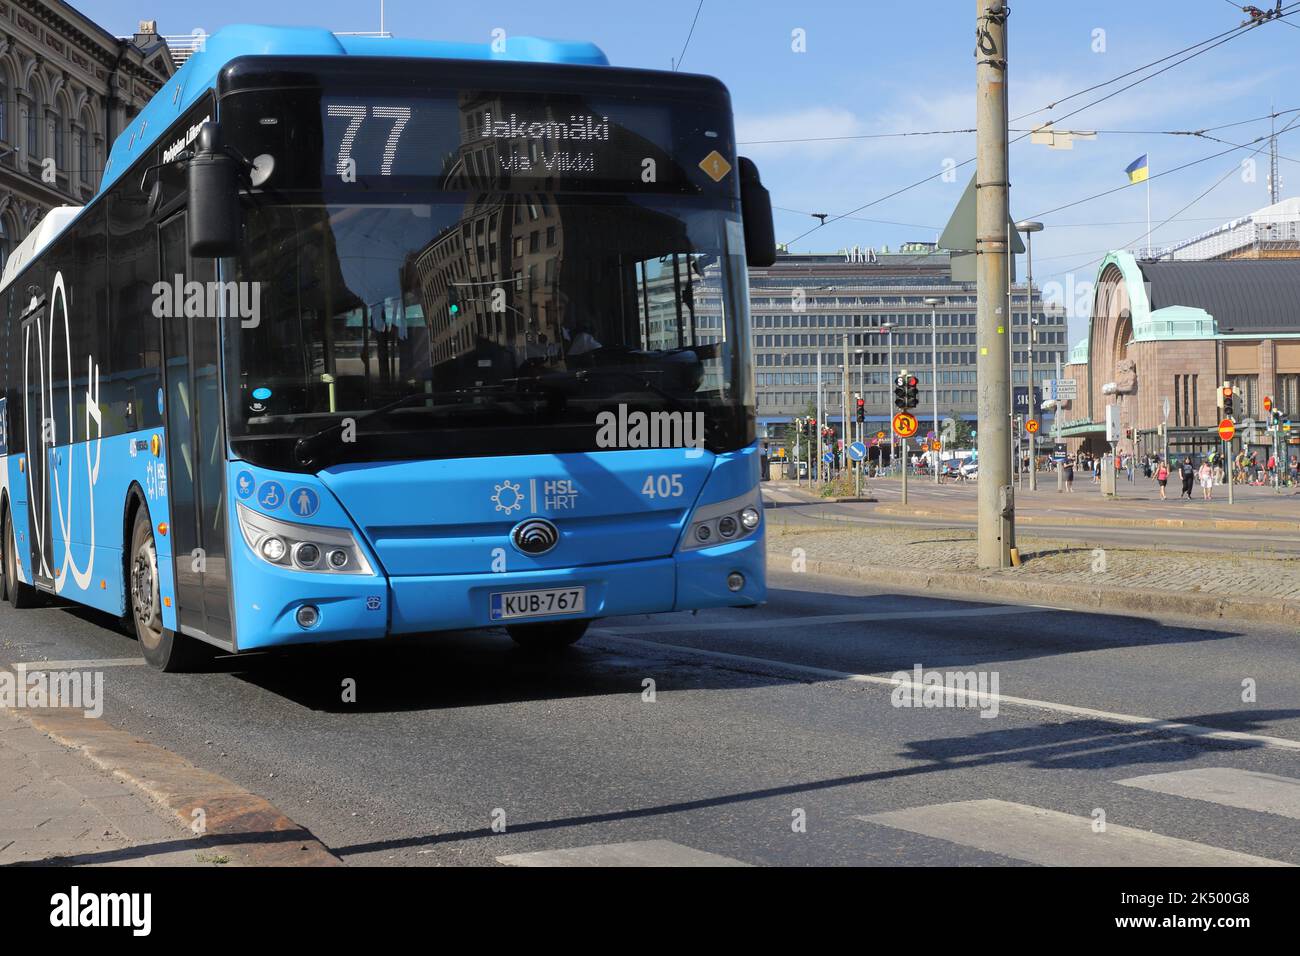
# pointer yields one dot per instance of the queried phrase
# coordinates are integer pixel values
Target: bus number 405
(662, 486)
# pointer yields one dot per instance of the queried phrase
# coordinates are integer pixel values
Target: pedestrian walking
(1206, 475)
(1188, 475)
(1162, 478)
(1069, 475)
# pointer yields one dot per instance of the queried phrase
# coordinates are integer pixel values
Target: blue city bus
(363, 337)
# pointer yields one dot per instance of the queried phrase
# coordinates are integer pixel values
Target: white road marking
(1229, 787)
(786, 622)
(1051, 838)
(89, 665)
(641, 853)
(822, 673)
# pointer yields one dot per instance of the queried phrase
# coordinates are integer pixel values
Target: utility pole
(933, 303)
(816, 468)
(993, 360)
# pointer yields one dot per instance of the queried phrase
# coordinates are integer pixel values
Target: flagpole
(1148, 206)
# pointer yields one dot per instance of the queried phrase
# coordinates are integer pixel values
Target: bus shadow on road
(458, 669)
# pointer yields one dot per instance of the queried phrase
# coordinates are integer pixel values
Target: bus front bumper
(375, 608)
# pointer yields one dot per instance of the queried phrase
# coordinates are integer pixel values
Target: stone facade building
(1168, 331)
(67, 88)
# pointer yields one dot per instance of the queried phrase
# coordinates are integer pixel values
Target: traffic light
(1228, 407)
(905, 396)
(862, 410)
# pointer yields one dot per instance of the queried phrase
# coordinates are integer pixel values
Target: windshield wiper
(303, 448)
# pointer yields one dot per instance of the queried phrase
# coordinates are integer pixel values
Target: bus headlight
(724, 521)
(298, 547)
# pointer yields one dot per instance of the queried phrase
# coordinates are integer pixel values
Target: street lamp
(888, 329)
(1029, 227)
(933, 303)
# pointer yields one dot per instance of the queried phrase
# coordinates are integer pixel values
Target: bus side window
(130, 379)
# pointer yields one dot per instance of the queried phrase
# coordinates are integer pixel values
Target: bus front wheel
(20, 595)
(547, 636)
(163, 648)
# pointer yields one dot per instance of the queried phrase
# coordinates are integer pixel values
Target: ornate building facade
(1164, 335)
(67, 88)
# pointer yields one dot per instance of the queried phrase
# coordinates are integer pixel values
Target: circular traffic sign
(857, 451)
(905, 425)
(1031, 426)
(1227, 428)
(880, 435)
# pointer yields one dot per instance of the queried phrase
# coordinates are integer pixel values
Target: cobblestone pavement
(953, 549)
(56, 808)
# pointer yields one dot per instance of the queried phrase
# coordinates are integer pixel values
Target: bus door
(38, 422)
(196, 447)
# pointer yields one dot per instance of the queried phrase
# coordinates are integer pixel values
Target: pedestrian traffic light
(862, 410)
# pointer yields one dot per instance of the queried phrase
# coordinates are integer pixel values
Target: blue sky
(872, 66)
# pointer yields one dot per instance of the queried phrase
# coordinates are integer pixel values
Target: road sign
(936, 446)
(857, 451)
(1165, 408)
(905, 425)
(880, 436)
(1227, 428)
(1031, 426)
(828, 458)
(1060, 389)
(1268, 404)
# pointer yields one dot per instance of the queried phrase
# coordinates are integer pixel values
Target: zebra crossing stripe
(1051, 838)
(640, 853)
(1229, 787)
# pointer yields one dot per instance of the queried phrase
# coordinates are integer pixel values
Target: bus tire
(20, 595)
(548, 636)
(162, 648)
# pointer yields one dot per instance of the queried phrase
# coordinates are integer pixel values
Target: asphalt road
(757, 723)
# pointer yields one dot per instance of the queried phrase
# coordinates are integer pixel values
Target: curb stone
(239, 823)
(1012, 585)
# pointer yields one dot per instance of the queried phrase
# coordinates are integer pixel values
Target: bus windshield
(488, 286)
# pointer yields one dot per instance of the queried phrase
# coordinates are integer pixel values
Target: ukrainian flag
(1137, 170)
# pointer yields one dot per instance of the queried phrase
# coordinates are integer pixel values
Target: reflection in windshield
(483, 300)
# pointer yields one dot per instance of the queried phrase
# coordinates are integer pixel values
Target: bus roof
(199, 73)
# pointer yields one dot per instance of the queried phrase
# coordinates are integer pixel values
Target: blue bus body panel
(89, 485)
(199, 73)
(437, 535)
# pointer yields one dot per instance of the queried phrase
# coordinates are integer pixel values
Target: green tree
(960, 435)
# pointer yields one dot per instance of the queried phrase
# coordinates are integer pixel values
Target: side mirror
(213, 186)
(756, 210)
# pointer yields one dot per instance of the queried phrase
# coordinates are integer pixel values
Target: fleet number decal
(663, 486)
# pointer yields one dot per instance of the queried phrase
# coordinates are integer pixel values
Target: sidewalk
(1055, 572)
(75, 791)
(56, 808)
(1136, 505)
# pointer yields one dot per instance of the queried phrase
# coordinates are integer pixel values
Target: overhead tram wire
(1219, 182)
(690, 33)
(1215, 41)
(953, 132)
(1232, 148)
